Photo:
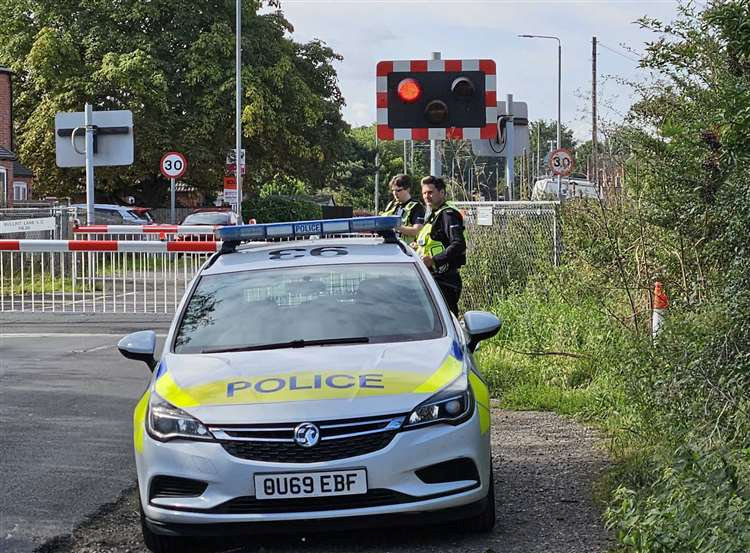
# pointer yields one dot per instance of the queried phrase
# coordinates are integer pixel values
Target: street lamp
(559, 79)
(238, 106)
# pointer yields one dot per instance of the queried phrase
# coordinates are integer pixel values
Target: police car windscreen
(382, 302)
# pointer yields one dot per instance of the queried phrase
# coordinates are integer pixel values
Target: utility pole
(594, 145)
(510, 176)
(436, 165)
(538, 149)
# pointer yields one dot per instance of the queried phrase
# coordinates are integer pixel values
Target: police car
(308, 381)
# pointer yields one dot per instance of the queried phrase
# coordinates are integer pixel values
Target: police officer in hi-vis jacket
(402, 204)
(440, 242)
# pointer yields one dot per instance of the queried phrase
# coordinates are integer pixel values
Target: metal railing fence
(507, 242)
(96, 277)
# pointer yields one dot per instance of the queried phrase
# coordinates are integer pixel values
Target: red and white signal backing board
(487, 130)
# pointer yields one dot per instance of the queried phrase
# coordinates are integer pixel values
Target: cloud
(365, 31)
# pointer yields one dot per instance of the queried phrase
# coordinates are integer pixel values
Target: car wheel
(484, 521)
(158, 543)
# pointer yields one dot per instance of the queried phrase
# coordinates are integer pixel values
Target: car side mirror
(480, 325)
(140, 346)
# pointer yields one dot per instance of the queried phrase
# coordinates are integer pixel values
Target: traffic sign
(436, 99)
(173, 165)
(232, 169)
(113, 138)
(230, 190)
(232, 154)
(493, 148)
(561, 162)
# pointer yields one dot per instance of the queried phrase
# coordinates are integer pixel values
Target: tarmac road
(66, 401)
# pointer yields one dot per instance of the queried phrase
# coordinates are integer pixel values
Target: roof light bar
(244, 233)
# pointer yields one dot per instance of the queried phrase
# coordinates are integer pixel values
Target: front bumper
(391, 479)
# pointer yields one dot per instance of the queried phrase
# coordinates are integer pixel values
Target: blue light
(243, 233)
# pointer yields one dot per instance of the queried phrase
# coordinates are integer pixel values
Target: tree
(172, 63)
(543, 135)
(354, 183)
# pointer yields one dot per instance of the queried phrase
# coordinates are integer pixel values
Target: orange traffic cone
(661, 302)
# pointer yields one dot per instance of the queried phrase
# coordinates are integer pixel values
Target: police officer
(440, 242)
(410, 210)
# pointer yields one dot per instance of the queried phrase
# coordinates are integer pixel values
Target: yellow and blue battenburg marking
(244, 233)
(276, 387)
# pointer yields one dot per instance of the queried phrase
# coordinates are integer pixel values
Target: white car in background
(545, 188)
(113, 214)
(312, 381)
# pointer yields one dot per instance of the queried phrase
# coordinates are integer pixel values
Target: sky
(367, 31)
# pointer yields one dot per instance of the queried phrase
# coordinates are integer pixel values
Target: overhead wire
(600, 43)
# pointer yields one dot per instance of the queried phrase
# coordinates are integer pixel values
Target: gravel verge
(545, 470)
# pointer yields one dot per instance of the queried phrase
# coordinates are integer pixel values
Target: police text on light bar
(242, 233)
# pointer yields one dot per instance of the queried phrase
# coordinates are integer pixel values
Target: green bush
(276, 209)
(698, 504)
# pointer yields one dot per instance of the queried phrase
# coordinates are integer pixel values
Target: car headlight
(167, 422)
(452, 405)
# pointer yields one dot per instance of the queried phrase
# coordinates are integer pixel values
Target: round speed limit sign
(561, 162)
(173, 165)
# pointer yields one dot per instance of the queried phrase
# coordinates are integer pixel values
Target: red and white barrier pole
(146, 229)
(107, 246)
(661, 302)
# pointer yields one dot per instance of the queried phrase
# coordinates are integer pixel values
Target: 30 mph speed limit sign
(561, 162)
(173, 165)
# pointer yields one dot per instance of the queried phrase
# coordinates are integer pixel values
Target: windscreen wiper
(292, 344)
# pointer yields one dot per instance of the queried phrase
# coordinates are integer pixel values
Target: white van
(545, 188)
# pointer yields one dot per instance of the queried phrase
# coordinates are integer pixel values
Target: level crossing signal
(436, 99)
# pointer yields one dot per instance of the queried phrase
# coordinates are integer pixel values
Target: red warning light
(409, 91)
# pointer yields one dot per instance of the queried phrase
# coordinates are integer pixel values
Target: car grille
(373, 498)
(339, 439)
(163, 487)
(251, 505)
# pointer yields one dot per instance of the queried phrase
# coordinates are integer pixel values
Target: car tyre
(484, 521)
(156, 543)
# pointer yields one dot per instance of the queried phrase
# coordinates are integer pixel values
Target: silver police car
(310, 381)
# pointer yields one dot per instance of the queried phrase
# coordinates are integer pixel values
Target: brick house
(15, 179)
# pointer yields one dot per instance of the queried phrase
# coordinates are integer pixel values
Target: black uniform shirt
(448, 228)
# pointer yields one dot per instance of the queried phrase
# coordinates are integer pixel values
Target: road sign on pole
(105, 136)
(230, 190)
(112, 132)
(561, 162)
(173, 165)
(493, 147)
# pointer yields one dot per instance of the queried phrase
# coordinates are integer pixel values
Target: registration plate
(310, 484)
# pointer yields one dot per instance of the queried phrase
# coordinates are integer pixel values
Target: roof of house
(6, 154)
(21, 170)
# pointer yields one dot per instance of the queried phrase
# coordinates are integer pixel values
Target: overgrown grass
(37, 285)
(553, 352)
(673, 412)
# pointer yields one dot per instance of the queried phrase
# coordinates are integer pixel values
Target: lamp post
(559, 80)
(238, 107)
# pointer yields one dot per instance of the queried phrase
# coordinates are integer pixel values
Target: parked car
(212, 216)
(112, 214)
(545, 188)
